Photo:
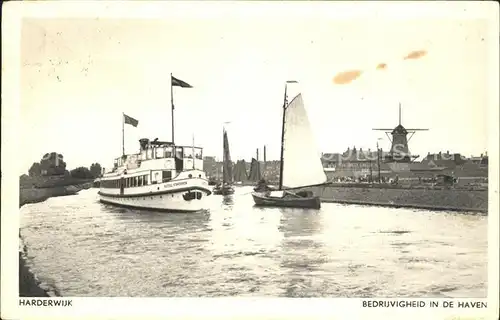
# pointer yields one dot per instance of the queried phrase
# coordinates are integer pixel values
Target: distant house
(457, 165)
(482, 160)
(355, 162)
(473, 167)
(444, 160)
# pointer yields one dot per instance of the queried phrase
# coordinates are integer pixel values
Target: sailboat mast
(123, 134)
(172, 107)
(282, 140)
(194, 158)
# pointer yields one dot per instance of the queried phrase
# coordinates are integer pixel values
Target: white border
(273, 308)
(238, 307)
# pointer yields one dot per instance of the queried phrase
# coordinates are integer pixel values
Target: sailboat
(226, 188)
(300, 163)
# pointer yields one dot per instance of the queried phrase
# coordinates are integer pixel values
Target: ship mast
(285, 106)
(172, 107)
(177, 83)
(123, 134)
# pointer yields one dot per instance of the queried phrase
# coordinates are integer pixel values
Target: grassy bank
(39, 194)
(27, 182)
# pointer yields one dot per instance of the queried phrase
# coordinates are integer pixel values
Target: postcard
(235, 159)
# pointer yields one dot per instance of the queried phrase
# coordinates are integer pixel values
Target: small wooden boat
(226, 187)
(300, 163)
(302, 199)
(223, 189)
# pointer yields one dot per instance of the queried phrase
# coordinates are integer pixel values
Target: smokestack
(257, 154)
(264, 154)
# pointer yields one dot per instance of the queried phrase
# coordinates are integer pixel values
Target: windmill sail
(301, 160)
(227, 171)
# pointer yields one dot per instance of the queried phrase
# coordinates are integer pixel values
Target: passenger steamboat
(162, 176)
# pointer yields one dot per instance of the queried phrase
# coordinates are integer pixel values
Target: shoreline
(37, 195)
(29, 285)
(437, 199)
(407, 205)
(462, 199)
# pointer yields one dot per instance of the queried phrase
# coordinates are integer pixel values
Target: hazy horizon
(79, 75)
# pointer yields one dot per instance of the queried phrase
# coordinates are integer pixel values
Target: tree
(96, 170)
(52, 164)
(25, 181)
(35, 170)
(81, 173)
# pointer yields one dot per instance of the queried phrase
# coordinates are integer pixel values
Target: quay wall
(474, 200)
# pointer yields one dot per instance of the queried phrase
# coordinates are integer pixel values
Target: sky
(78, 76)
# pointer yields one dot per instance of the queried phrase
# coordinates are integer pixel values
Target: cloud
(347, 76)
(415, 54)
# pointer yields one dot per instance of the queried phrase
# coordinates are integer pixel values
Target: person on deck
(262, 186)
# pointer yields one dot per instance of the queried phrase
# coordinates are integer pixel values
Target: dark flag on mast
(174, 82)
(179, 83)
(130, 120)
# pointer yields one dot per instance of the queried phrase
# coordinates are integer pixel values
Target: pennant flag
(179, 83)
(347, 76)
(130, 120)
(381, 66)
(415, 54)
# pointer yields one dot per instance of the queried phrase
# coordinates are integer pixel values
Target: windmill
(399, 143)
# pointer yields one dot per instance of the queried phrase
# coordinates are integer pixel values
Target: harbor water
(81, 247)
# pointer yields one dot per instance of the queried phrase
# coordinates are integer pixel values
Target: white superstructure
(162, 176)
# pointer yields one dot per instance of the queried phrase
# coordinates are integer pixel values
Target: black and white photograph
(258, 150)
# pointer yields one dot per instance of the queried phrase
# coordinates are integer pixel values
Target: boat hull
(171, 202)
(223, 191)
(262, 199)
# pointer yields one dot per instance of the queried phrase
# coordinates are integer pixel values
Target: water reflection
(240, 232)
(146, 216)
(300, 222)
(301, 230)
(228, 201)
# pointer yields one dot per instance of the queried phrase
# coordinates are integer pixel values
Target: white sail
(301, 160)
